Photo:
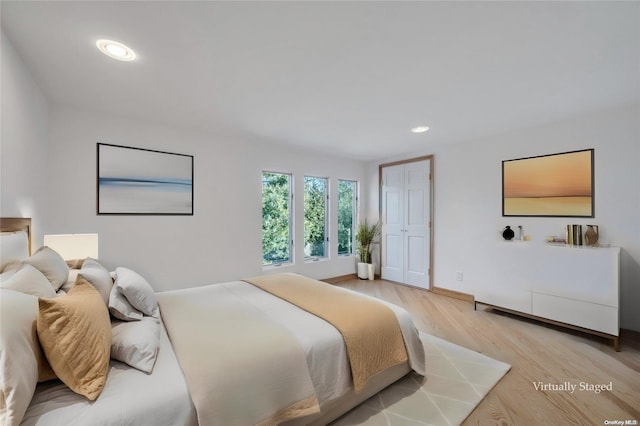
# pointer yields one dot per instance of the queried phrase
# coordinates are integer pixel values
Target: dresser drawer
(583, 314)
(514, 299)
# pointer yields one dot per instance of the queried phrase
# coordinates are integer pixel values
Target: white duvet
(322, 345)
(326, 353)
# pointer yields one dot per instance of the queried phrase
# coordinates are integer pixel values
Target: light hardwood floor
(537, 352)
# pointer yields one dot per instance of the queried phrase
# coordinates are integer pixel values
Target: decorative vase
(363, 271)
(372, 271)
(508, 233)
(591, 235)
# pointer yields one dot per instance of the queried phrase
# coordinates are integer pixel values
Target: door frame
(429, 158)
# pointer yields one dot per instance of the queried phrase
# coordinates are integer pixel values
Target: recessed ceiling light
(420, 129)
(116, 50)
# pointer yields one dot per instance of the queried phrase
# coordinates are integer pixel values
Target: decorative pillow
(136, 343)
(51, 264)
(137, 291)
(11, 268)
(75, 334)
(120, 307)
(13, 246)
(21, 359)
(26, 279)
(71, 280)
(98, 276)
(75, 263)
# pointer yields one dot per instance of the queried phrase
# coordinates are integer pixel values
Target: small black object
(508, 233)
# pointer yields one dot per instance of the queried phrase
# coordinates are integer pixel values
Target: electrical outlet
(458, 275)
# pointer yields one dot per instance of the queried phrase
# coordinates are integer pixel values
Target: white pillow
(26, 279)
(120, 307)
(136, 343)
(13, 246)
(18, 363)
(51, 264)
(137, 290)
(98, 276)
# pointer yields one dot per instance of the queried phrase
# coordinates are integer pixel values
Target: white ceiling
(350, 78)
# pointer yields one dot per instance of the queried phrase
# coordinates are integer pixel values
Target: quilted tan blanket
(240, 367)
(370, 330)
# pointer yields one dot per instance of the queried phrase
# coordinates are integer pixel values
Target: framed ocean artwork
(555, 185)
(136, 181)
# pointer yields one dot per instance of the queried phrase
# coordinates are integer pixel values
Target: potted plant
(366, 236)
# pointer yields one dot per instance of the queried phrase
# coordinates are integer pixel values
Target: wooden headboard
(13, 224)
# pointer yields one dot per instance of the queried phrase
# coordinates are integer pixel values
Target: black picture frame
(552, 185)
(138, 181)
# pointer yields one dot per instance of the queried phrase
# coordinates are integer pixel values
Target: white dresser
(577, 287)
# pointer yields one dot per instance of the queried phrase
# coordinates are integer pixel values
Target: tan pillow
(75, 263)
(75, 334)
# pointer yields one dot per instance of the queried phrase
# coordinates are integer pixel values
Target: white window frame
(325, 256)
(290, 208)
(354, 218)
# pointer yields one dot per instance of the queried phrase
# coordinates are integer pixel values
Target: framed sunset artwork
(555, 185)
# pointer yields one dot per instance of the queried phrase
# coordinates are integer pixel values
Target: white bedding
(319, 339)
(322, 344)
(130, 397)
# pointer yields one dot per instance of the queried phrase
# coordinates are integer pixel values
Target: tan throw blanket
(241, 368)
(370, 330)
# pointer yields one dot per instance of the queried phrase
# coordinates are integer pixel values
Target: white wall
(23, 142)
(47, 160)
(222, 241)
(468, 212)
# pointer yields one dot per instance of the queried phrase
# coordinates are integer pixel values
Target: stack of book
(574, 235)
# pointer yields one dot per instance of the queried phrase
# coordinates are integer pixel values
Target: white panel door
(392, 223)
(405, 223)
(416, 224)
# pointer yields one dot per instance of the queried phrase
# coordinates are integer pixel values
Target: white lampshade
(73, 246)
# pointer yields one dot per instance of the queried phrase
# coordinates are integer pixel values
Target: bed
(292, 367)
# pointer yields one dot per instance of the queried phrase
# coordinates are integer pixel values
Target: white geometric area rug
(457, 380)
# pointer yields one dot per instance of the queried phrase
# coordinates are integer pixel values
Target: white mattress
(130, 397)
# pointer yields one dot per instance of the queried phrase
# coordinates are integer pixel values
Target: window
(276, 218)
(347, 205)
(315, 217)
